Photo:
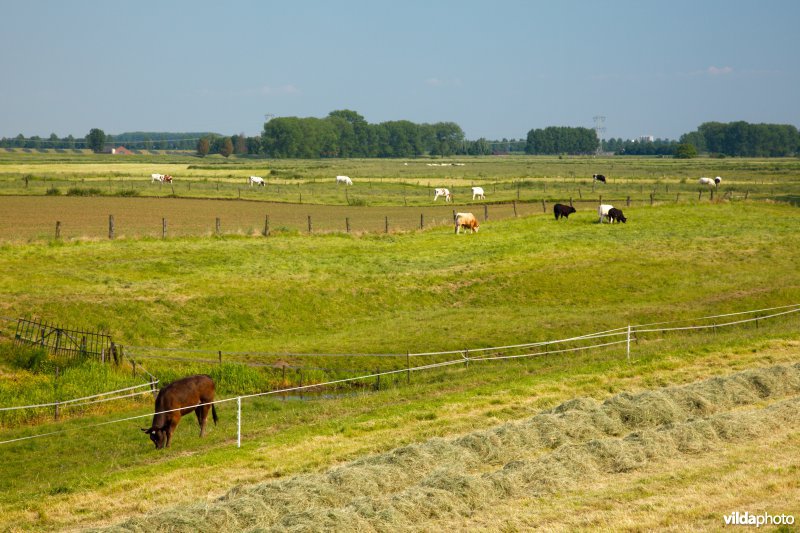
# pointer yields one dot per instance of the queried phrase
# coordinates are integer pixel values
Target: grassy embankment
(516, 281)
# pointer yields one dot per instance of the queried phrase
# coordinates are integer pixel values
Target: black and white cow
(598, 177)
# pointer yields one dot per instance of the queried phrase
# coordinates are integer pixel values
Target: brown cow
(194, 393)
(466, 221)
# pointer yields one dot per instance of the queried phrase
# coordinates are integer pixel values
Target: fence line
(64, 402)
(465, 358)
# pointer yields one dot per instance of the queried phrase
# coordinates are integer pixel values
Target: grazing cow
(256, 180)
(602, 211)
(598, 177)
(194, 393)
(343, 180)
(167, 178)
(466, 221)
(615, 215)
(708, 182)
(561, 210)
(156, 177)
(442, 192)
(477, 192)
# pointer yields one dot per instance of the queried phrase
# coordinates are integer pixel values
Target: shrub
(53, 191)
(77, 191)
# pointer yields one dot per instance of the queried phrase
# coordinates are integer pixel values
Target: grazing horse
(193, 393)
(256, 180)
(477, 192)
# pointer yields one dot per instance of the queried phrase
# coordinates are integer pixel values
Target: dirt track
(579, 442)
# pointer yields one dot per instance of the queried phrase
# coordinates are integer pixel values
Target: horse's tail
(214, 414)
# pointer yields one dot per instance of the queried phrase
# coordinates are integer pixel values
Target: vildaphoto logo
(747, 519)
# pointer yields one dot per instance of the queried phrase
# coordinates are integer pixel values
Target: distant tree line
(345, 133)
(745, 140)
(663, 147)
(562, 140)
(133, 140)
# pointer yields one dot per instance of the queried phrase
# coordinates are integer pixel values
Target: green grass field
(518, 280)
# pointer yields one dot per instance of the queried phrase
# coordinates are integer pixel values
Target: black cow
(615, 214)
(598, 177)
(561, 210)
(181, 398)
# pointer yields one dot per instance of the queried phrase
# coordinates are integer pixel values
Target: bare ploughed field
(26, 218)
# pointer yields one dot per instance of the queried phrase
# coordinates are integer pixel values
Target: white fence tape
(65, 403)
(628, 331)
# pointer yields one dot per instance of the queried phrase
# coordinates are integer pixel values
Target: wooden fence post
(309, 223)
(219, 352)
(514, 203)
(485, 212)
(378, 379)
(408, 366)
(544, 208)
(570, 202)
(110, 226)
(58, 229)
(652, 196)
(266, 226)
(421, 220)
(386, 224)
(628, 201)
(56, 389)
(217, 226)
(163, 228)
(347, 223)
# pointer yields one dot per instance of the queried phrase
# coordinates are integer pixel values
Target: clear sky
(498, 69)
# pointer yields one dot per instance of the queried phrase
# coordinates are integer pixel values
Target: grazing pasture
(520, 279)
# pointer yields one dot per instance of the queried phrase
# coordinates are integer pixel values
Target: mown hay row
(557, 449)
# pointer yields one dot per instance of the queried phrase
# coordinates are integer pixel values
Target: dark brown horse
(194, 393)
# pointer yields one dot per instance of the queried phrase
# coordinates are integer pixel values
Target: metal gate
(63, 342)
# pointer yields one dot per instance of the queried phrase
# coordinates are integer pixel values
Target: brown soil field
(32, 217)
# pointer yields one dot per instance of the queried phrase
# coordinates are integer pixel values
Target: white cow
(477, 192)
(708, 182)
(602, 211)
(442, 192)
(343, 180)
(256, 180)
(156, 178)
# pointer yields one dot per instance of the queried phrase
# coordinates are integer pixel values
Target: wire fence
(613, 337)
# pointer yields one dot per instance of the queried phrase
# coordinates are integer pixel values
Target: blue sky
(498, 69)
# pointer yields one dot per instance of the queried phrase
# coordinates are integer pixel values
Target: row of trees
(345, 133)
(744, 139)
(98, 140)
(663, 147)
(562, 140)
